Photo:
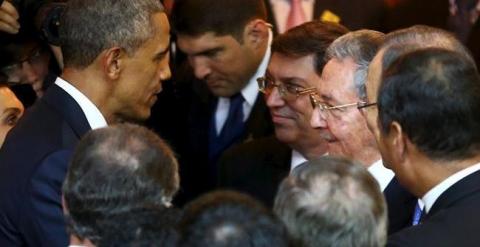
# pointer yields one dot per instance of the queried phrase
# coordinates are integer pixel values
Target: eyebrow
(208, 51)
(11, 110)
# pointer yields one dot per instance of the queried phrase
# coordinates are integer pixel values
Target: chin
(284, 136)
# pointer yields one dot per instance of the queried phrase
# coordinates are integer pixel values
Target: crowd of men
(288, 134)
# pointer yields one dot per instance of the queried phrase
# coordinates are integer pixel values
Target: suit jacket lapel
(259, 123)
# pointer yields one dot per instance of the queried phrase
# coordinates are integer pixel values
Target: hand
(8, 18)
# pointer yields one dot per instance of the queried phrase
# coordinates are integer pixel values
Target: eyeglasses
(335, 111)
(287, 92)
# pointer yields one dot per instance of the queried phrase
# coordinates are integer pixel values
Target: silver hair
(420, 37)
(90, 26)
(332, 202)
(361, 46)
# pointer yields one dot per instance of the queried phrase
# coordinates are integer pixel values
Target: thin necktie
(417, 215)
(296, 16)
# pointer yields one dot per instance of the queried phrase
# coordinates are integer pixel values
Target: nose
(317, 121)
(274, 99)
(200, 66)
(30, 75)
(164, 68)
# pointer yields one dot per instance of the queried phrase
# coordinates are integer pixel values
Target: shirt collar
(250, 91)
(94, 116)
(297, 159)
(381, 174)
(432, 195)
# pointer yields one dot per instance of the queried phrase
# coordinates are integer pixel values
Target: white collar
(432, 195)
(250, 91)
(94, 116)
(381, 174)
(297, 159)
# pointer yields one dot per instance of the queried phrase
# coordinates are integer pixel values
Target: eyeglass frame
(317, 103)
(282, 89)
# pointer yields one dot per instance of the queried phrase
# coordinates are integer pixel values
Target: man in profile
(332, 202)
(440, 162)
(113, 70)
(115, 171)
(297, 61)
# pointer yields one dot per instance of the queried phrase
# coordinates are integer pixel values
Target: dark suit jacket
(354, 14)
(401, 206)
(453, 220)
(33, 164)
(256, 168)
(198, 106)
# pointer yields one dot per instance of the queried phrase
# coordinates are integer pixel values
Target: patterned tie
(296, 16)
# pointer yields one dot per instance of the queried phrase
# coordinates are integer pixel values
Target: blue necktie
(232, 129)
(417, 215)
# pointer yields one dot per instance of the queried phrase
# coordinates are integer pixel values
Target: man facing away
(113, 70)
(428, 121)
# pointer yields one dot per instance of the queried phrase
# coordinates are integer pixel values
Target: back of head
(137, 228)
(115, 170)
(419, 37)
(227, 218)
(225, 17)
(332, 202)
(92, 26)
(360, 46)
(307, 39)
(434, 95)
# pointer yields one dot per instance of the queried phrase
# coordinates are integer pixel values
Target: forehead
(196, 44)
(338, 78)
(162, 27)
(8, 99)
(374, 74)
(284, 66)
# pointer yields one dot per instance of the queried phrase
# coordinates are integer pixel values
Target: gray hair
(88, 27)
(361, 46)
(332, 202)
(418, 37)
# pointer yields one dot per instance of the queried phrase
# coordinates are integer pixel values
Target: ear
(112, 62)
(256, 33)
(398, 142)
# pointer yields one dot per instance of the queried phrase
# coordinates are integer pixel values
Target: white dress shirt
(297, 159)
(381, 174)
(249, 92)
(432, 195)
(281, 9)
(94, 116)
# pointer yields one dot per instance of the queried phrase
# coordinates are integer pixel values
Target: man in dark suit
(341, 93)
(354, 14)
(396, 43)
(258, 167)
(227, 44)
(101, 83)
(439, 163)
